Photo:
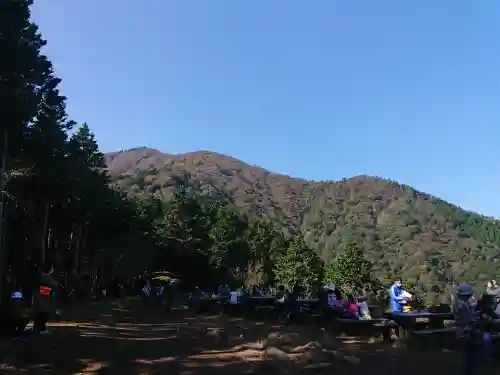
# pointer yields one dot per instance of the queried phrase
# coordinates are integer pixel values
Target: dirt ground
(129, 338)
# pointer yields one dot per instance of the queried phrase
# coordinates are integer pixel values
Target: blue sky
(323, 89)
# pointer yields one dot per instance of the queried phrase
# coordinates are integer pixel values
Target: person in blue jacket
(395, 297)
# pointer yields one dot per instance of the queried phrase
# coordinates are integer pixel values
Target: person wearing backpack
(45, 304)
(470, 323)
(466, 323)
(493, 292)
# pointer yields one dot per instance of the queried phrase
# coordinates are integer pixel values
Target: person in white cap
(15, 319)
(466, 322)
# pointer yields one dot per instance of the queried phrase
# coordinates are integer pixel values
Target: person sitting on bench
(351, 308)
(362, 302)
(291, 307)
(332, 306)
(334, 298)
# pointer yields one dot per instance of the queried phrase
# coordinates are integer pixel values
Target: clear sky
(323, 89)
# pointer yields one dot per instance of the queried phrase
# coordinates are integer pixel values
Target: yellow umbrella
(165, 279)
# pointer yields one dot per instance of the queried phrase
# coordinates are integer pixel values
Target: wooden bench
(264, 308)
(432, 331)
(432, 338)
(369, 326)
(446, 330)
(366, 322)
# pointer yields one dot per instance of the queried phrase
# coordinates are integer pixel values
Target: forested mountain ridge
(406, 232)
(255, 190)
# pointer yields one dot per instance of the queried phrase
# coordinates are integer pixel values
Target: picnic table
(255, 304)
(365, 326)
(261, 300)
(204, 302)
(217, 300)
(307, 305)
(445, 337)
(415, 320)
(307, 300)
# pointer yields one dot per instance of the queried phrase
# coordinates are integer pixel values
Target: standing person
(489, 308)
(223, 290)
(146, 292)
(195, 299)
(45, 304)
(281, 297)
(291, 305)
(467, 326)
(160, 290)
(493, 294)
(234, 300)
(170, 293)
(396, 296)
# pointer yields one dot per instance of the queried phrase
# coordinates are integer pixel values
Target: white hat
(16, 295)
(465, 290)
(329, 287)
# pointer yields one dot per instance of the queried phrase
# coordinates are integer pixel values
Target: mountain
(428, 241)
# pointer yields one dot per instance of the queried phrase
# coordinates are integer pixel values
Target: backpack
(487, 305)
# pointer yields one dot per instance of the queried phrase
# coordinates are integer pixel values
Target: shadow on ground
(114, 339)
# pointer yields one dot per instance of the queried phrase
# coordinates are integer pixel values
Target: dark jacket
(490, 302)
(45, 294)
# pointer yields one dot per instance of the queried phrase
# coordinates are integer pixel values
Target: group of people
(158, 293)
(292, 303)
(350, 305)
(488, 304)
(474, 320)
(17, 312)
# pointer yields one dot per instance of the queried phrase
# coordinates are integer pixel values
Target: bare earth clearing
(117, 339)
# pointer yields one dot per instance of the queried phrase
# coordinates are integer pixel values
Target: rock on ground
(218, 335)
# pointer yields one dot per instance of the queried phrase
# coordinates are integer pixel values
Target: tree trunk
(79, 255)
(83, 247)
(3, 171)
(76, 255)
(44, 235)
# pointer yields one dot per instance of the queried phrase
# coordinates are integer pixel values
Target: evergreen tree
(299, 266)
(266, 245)
(351, 269)
(22, 72)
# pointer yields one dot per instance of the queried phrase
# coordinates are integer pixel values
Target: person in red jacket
(351, 307)
(45, 300)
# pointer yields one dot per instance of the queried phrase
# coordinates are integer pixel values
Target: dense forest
(207, 217)
(58, 206)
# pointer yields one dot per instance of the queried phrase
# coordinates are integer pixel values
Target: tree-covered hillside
(405, 232)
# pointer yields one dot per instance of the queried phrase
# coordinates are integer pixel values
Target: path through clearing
(121, 341)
